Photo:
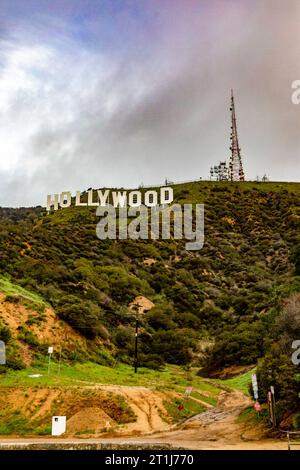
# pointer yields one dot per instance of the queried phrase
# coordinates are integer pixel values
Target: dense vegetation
(218, 307)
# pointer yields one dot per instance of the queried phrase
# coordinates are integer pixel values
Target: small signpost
(257, 407)
(255, 386)
(2, 353)
(50, 351)
(269, 399)
(273, 405)
(188, 391)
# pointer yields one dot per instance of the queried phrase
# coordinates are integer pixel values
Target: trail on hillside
(148, 407)
(219, 428)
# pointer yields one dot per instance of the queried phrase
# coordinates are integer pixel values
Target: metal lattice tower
(236, 172)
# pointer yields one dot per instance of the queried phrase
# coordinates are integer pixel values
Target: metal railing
(293, 438)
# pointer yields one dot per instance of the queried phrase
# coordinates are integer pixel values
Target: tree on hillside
(277, 368)
(296, 259)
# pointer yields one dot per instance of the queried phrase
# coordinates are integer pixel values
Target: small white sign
(254, 381)
(2, 353)
(255, 386)
(272, 390)
(188, 391)
(59, 424)
(50, 350)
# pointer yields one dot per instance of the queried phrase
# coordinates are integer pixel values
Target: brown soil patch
(219, 428)
(142, 304)
(121, 410)
(149, 261)
(47, 327)
(89, 420)
(233, 399)
(147, 406)
(229, 372)
(94, 409)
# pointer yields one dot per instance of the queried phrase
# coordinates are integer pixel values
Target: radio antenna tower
(236, 172)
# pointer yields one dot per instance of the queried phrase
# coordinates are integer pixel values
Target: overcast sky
(98, 93)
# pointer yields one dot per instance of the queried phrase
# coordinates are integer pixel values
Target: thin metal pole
(49, 363)
(274, 407)
(136, 347)
(59, 361)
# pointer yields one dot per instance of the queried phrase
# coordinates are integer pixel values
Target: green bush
(161, 317)
(28, 337)
(83, 316)
(239, 345)
(5, 334)
(15, 363)
(278, 370)
(296, 420)
(295, 258)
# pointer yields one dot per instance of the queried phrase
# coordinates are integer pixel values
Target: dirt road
(218, 428)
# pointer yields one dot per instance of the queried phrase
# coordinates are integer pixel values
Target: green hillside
(213, 309)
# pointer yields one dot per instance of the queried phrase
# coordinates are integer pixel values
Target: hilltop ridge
(212, 307)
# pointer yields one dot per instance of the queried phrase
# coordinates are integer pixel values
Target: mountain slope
(250, 229)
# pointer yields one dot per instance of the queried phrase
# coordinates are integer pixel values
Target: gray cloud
(75, 115)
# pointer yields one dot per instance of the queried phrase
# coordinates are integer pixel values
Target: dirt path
(148, 407)
(216, 428)
(146, 404)
(219, 427)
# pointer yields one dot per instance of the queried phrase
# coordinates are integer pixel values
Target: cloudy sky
(98, 93)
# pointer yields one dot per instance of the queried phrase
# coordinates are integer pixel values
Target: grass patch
(241, 382)
(16, 293)
(14, 423)
(206, 399)
(250, 416)
(170, 378)
(190, 408)
(28, 337)
(43, 430)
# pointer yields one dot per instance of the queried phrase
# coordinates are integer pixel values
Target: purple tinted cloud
(124, 92)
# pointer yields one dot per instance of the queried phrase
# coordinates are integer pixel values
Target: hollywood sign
(105, 197)
(153, 215)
